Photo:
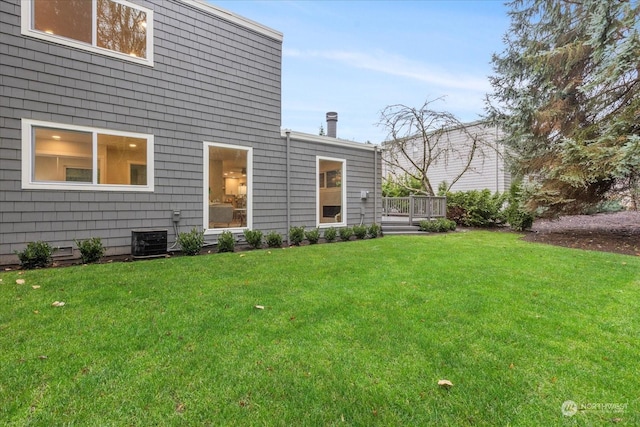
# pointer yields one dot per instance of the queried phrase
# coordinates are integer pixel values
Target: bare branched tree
(419, 138)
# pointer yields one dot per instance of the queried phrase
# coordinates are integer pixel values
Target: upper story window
(111, 27)
(67, 157)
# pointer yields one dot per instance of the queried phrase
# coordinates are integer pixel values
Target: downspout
(288, 179)
(497, 162)
(375, 185)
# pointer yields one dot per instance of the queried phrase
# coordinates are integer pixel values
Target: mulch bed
(611, 232)
(608, 232)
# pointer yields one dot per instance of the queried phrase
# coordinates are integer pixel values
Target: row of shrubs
(440, 225)
(299, 234)
(476, 208)
(39, 254)
(481, 208)
(192, 242)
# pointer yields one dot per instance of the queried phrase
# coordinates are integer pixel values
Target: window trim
(26, 21)
(205, 188)
(28, 183)
(343, 186)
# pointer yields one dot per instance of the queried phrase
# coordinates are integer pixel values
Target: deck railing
(415, 207)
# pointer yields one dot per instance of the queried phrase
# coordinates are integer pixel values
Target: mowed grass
(355, 333)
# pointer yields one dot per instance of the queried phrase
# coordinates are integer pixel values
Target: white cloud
(397, 65)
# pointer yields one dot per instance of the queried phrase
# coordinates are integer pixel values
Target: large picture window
(72, 157)
(330, 189)
(227, 185)
(112, 27)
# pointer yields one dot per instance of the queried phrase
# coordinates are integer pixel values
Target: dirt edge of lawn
(617, 232)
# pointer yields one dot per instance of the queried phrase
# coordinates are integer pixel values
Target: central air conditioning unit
(148, 243)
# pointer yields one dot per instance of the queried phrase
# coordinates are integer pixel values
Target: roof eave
(320, 139)
(236, 19)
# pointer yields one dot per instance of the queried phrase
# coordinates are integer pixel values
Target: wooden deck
(413, 209)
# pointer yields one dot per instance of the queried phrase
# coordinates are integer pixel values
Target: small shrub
(91, 250)
(516, 215)
(440, 225)
(428, 225)
(226, 242)
(345, 233)
(274, 240)
(374, 230)
(191, 242)
(519, 219)
(36, 254)
(312, 235)
(360, 231)
(330, 234)
(296, 234)
(451, 224)
(254, 238)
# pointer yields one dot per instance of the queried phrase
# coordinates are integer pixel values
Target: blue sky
(357, 57)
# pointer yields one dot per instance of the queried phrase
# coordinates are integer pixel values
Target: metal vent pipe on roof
(332, 124)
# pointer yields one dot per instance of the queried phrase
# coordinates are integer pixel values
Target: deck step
(394, 228)
(403, 233)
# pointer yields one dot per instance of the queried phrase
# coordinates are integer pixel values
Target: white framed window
(115, 28)
(67, 157)
(227, 187)
(331, 198)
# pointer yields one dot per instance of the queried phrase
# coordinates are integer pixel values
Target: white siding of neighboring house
(487, 170)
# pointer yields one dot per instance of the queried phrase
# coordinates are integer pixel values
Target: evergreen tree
(566, 91)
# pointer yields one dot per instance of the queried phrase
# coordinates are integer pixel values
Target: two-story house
(117, 115)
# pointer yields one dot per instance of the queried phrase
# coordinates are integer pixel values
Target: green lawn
(355, 333)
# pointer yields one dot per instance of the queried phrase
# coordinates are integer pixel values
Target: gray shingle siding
(360, 167)
(212, 80)
(215, 82)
